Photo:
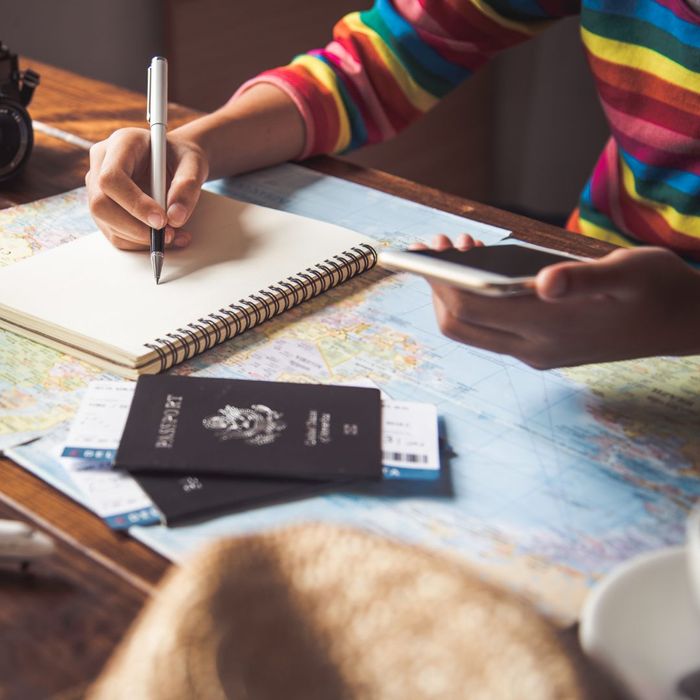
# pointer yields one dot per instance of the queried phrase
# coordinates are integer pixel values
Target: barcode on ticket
(405, 457)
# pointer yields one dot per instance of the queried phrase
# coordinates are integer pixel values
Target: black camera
(16, 136)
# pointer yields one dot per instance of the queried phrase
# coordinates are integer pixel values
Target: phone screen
(507, 260)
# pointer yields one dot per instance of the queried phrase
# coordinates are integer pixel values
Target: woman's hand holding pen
(261, 127)
(117, 183)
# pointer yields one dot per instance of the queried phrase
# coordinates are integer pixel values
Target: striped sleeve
(645, 59)
(387, 66)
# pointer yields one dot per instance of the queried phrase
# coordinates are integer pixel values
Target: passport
(184, 498)
(192, 426)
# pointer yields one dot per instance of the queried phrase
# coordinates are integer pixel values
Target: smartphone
(497, 270)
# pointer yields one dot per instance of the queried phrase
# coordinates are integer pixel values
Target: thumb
(610, 276)
(185, 188)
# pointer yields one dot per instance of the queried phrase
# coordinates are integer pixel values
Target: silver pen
(157, 117)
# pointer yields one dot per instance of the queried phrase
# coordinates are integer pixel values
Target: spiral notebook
(246, 264)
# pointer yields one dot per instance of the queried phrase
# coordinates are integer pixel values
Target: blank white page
(93, 291)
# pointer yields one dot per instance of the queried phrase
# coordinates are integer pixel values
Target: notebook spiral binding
(236, 318)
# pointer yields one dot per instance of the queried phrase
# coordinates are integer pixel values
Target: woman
(389, 65)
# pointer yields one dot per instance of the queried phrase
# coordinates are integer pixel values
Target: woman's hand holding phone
(631, 303)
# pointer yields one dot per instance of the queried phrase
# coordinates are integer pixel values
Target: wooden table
(58, 627)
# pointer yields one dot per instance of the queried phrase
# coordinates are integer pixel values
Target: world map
(548, 479)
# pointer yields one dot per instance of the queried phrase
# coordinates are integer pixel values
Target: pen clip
(148, 95)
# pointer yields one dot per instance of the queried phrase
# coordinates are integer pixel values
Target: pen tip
(157, 265)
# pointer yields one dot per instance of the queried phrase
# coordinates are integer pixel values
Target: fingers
(457, 328)
(617, 275)
(111, 217)
(442, 242)
(523, 327)
(127, 151)
(185, 188)
(477, 310)
(466, 242)
(109, 181)
(552, 283)
(124, 232)
(122, 210)
(511, 314)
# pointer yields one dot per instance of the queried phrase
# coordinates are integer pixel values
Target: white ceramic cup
(693, 551)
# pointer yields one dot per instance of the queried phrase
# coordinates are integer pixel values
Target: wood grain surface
(58, 625)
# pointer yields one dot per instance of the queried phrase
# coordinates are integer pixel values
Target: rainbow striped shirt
(388, 65)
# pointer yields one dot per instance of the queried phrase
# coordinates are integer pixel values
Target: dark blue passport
(230, 427)
(184, 498)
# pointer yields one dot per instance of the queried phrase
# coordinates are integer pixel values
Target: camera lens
(15, 138)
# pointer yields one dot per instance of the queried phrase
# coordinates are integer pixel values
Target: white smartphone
(497, 270)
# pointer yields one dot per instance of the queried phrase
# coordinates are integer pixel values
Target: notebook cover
(245, 264)
(194, 425)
